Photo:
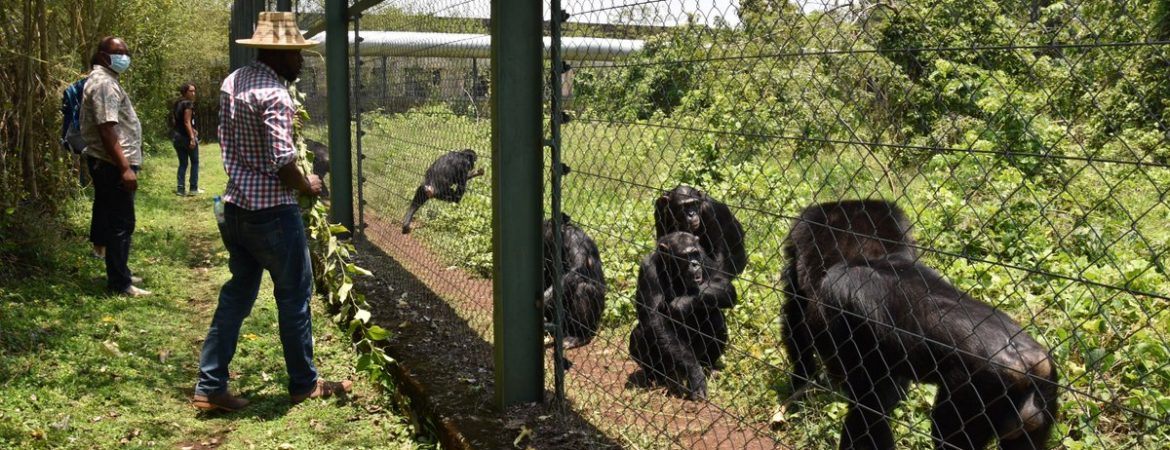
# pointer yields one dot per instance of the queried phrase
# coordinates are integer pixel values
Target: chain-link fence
(413, 109)
(1024, 143)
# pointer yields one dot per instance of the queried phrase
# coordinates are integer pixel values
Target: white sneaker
(135, 280)
(135, 291)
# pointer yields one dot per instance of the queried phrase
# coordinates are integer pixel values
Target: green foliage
(47, 45)
(333, 270)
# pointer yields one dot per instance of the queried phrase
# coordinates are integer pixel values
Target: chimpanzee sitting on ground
(583, 283)
(878, 319)
(678, 333)
(445, 180)
(685, 208)
(320, 163)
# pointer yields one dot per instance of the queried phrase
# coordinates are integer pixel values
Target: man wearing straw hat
(261, 225)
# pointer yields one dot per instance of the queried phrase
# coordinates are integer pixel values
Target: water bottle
(217, 207)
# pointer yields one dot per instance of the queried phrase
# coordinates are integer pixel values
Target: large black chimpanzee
(445, 180)
(679, 332)
(878, 319)
(583, 282)
(685, 208)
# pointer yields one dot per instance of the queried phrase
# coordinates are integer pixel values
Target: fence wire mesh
(415, 110)
(1024, 142)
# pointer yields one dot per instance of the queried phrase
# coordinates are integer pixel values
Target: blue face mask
(119, 63)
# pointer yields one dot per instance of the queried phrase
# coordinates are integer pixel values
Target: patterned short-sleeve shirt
(255, 134)
(104, 101)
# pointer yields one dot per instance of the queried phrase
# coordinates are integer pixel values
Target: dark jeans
(113, 221)
(186, 154)
(271, 239)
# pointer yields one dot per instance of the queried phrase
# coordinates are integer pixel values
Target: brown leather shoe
(223, 400)
(325, 389)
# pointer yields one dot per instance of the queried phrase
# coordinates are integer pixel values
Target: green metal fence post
(517, 190)
(556, 111)
(243, 21)
(337, 79)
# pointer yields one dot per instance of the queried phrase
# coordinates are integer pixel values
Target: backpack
(71, 117)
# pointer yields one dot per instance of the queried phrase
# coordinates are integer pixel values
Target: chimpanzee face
(690, 214)
(685, 257)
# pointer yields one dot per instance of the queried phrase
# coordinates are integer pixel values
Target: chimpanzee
(685, 208)
(878, 319)
(445, 180)
(679, 332)
(583, 282)
(320, 163)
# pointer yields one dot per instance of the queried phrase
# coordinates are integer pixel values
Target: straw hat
(277, 31)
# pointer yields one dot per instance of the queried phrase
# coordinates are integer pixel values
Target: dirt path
(598, 384)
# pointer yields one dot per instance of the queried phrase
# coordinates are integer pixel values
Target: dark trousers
(185, 155)
(113, 221)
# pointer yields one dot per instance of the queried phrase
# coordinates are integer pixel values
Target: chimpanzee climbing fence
(1025, 141)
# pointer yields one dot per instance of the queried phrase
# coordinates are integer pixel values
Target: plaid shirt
(255, 134)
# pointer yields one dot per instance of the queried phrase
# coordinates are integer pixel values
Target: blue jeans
(271, 239)
(186, 154)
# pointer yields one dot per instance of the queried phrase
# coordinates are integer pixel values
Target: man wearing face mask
(262, 227)
(113, 138)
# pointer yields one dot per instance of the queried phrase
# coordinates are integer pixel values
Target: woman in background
(186, 138)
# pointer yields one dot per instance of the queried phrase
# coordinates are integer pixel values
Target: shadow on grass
(450, 367)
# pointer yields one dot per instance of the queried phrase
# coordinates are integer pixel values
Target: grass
(80, 368)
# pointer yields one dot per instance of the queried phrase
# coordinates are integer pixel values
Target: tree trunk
(27, 157)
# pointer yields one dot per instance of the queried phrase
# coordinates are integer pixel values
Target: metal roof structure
(456, 45)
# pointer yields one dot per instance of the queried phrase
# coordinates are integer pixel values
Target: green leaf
(364, 362)
(338, 229)
(353, 268)
(377, 333)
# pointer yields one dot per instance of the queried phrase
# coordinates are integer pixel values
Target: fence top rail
(459, 45)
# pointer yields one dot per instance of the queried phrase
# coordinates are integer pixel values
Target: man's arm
(106, 101)
(113, 149)
(278, 122)
(290, 174)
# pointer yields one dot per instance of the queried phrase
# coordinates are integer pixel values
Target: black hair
(183, 88)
